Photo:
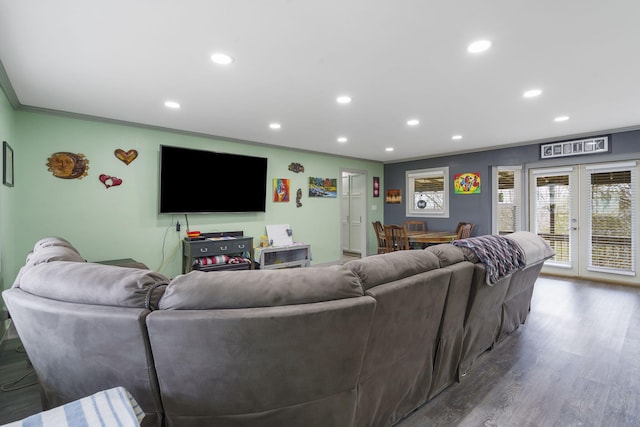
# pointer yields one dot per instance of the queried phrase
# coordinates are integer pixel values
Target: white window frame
(411, 176)
(519, 197)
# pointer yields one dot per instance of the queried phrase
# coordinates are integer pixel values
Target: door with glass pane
(587, 215)
(554, 215)
(610, 229)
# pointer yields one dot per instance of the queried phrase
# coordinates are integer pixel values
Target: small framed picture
(7, 165)
(393, 196)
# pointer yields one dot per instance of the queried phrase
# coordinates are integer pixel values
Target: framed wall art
(281, 189)
(7, 165)
(577, 147)
(393, 196)
(467, 183)
(323, 187)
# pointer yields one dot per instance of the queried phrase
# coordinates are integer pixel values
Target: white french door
(554, 215)
(587, 215)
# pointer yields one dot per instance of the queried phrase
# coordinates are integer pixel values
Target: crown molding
(7, 88)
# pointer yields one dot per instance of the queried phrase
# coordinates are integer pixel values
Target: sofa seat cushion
(199, 290)
(384, 268)
(90, 283)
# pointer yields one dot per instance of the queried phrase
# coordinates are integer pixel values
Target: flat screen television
(200, 181)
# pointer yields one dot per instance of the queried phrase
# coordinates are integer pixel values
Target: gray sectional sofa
(362, 344)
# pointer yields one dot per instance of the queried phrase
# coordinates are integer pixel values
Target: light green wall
(123, 222)
(7, 233)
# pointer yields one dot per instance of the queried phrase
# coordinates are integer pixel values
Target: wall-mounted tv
(200, 181)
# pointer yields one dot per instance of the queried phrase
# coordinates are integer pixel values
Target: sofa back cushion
(51, 241)
(199, 290)
(535, 249)
(291, 365)
(48, 250)
(97, 284)
(447, 254)
(378, 269)
(78, 349)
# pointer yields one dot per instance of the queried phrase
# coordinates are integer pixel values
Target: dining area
(413, 234)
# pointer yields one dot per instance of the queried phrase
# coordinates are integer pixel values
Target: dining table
(432, 236)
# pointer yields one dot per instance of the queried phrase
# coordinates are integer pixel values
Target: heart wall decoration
(109, 181)
(126, 156)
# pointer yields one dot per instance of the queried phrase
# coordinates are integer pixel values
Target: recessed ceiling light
(561, 119)
(275, 125)
(413, 122)
(221, 58)
(456, 137)
(479, 46)
(172, 104)
(343, 99)
(342, 139)
(388, 149)
(532, 93)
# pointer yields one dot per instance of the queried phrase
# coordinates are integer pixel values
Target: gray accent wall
(476, 208)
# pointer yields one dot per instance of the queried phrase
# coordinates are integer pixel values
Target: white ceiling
(398, 60)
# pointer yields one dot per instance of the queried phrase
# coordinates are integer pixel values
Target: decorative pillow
(211, 260)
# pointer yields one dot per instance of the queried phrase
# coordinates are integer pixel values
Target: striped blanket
(501, 256)
(113, 407)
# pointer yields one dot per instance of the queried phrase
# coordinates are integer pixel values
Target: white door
(353, 212)
(554, 215)
(356, 213)
(587, 214)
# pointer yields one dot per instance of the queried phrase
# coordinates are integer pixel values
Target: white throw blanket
(113, 407)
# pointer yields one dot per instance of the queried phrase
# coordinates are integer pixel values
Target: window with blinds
(553, 213)
(427, 192)
(610, 198)
(509, 200)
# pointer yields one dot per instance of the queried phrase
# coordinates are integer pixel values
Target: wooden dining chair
(464, 230)
(396, 237)
(379, 230)
(415, 226)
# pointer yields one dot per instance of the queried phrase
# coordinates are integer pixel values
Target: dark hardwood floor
(576, 362)
(19, 397)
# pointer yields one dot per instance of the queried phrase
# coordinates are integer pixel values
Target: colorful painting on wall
(467, 183)
(323, 187)
(280, 189)
(376, 186)
(393, 196)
